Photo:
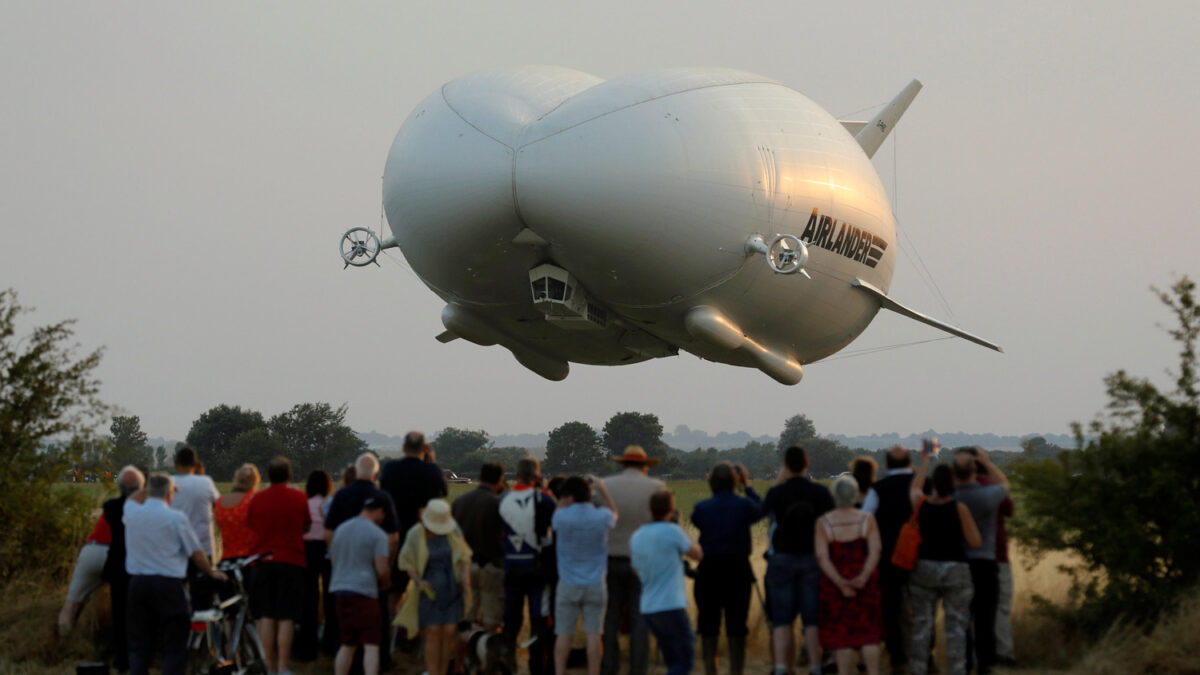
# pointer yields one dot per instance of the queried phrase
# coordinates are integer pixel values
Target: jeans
(1004, 636)
(531, 585)
(794, 587)
(157, 613)
(624, 593)
(981, 640)
(675, 640)
(316, 577)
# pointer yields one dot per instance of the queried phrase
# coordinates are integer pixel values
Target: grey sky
(177, 177)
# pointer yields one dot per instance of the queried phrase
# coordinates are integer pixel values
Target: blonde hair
(246, 479)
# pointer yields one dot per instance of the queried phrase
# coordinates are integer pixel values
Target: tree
(796, 430)
(825, 456)
(212, 434)
(452, 446)
(574, 447)
(258, 447)
(160, 457)
(632, 428)
(316, 437)
(1127, 502)
(129, 443)
(47, 391)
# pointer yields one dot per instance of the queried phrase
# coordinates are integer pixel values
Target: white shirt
(158, 540)
(871, 501)
(195, 496)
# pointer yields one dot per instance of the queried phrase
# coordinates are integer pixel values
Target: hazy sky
(176, 177)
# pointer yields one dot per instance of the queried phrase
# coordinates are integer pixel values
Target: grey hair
(159, 485)
(845, 492)
(366, 467)
(130, 480)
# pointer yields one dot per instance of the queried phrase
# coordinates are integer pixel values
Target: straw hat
(436, 517)
(634, 454)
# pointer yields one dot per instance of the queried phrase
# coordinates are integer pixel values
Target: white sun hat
(436, 517)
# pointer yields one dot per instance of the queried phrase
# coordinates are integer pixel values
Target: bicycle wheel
(201, 659)
(250, 658)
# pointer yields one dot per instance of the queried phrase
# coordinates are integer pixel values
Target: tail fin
(871, 136)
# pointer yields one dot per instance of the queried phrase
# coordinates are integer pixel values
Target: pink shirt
(317, 531)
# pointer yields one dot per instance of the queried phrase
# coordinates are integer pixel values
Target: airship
(571, 219)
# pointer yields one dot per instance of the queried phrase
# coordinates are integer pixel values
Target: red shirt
(101, 534)
(279, 518)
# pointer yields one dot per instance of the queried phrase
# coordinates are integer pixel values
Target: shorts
(573, 602)
(359, 619)
(86, 577)
(793, 584)
(277, 592)
(487, 594)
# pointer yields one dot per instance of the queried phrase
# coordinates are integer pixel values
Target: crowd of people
(387, 563)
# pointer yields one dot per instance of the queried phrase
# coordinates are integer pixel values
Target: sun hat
(436, 517)
(634, 454)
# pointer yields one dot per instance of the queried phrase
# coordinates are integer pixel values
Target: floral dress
(849, 623)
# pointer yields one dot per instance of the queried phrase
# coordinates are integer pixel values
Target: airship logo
(844, 239)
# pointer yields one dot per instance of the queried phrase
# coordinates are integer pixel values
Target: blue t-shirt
(581, 541)
(656, 553)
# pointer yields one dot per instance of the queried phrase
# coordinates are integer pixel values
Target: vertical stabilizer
(871, 136)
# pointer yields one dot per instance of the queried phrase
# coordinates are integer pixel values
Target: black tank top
(941, 533)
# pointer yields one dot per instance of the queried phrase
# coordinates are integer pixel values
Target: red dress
(849, 623)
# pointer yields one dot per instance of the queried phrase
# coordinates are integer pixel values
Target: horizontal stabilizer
(446, 336)
(888, 303)
(871, 136)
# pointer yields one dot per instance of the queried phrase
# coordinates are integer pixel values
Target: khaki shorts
(572, 603)
(88, 567)
(487, 595)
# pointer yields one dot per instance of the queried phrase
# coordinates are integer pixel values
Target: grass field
(28, 608)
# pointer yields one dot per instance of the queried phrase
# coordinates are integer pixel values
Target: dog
(485, 652)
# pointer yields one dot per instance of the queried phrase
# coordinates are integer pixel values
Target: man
(160, 543)
(359, 554)
(526, 512)
(656, 552)
(724, 579)
(348, 503)
(412, 481)
(1005, 652)
(793, 578)
(195, 496)
(630, 490)
(279, 518)
(984, 502)
(581, 544)
(888, 500)
(130, 482)
(478, 514)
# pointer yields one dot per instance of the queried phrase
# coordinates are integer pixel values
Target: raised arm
(917, 489)
(995, 475)
(602, 489)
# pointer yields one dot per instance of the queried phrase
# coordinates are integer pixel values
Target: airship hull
(644, 190)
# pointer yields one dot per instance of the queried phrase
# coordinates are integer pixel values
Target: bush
(1128, 501)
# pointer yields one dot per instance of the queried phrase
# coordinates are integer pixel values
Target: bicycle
(223, 640)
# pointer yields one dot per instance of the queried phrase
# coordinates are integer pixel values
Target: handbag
(908, 543)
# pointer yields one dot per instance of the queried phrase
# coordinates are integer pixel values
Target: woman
(437, 560)
(947, 529)
(847, 546)
(316, 565)
(724, 577)
(863, 470)
(229, 513)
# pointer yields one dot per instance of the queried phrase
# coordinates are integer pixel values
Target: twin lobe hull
(644, 190)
